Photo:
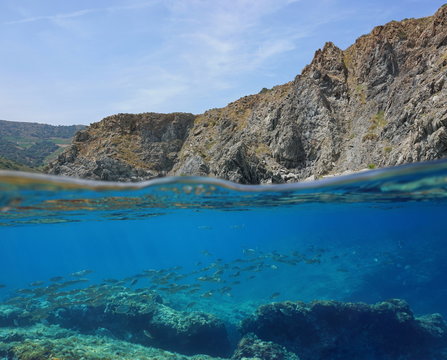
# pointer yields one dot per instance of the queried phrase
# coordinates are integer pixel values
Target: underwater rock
(50, 342)
(13, 316)
(251, 347)
(333, 330)
(145, 320)
(188, 332)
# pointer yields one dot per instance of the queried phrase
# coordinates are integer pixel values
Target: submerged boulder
(333, 330)
(251, 347)
(14, 316)
(145, 320)
(188, 332)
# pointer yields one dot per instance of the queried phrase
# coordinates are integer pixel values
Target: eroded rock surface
(334, 330)
(251, 347)
(146, 320)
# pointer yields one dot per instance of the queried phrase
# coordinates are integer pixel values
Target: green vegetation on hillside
(32, 145)
(37, 131)
(6, 164)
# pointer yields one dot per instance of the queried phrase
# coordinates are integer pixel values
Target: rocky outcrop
(251, 347)
(126, 147)
(334, 330)
(381, 102)
(44, 342)
(145, 320)
(13, 316)
(328, 330)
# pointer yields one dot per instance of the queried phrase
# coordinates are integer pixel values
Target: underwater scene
(350, 267)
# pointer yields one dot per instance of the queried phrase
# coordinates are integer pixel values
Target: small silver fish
(148, 334)
(81, 273)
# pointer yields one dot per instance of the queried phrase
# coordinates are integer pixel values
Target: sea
(216, 247)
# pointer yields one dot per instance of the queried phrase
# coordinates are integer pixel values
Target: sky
(69, 62)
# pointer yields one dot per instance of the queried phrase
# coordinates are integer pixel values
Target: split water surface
(178, 267)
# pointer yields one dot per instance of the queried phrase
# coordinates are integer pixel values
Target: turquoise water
(213, 246)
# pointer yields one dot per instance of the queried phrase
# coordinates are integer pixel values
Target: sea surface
(208, 245)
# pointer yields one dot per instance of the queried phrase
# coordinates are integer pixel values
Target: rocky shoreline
(381, 102)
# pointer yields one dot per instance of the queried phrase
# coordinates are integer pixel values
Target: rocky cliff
(381, 102)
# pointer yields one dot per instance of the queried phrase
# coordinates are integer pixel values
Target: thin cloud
(227, 42)
(233, 39)
(173, 55)
(80, 13)
(143, 100)
(53, 17)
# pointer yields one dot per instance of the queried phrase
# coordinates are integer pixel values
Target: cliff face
(380, 102)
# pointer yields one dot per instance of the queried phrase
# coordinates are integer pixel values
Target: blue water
(367, 237)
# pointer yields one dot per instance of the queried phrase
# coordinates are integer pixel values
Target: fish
(179, 277)
(110, 281)
(251, 267)
(150, 271)
(218, 272)
(2, 286)
(207, 294)
(122, 309)
(206, 253)
(274, 295)
(24, 291)
(72, 282)
(133, 282)
(204, 227)
(81, 273)
(205, 269)
(312, 261)
(14, 300)
(56, 278)
(249, 251)
(182, 287)
(37, 283)
(148, 334)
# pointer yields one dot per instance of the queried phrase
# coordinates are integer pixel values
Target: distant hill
(31, 145)
(6, 164)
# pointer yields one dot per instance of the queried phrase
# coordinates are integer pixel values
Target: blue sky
(77, 61)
